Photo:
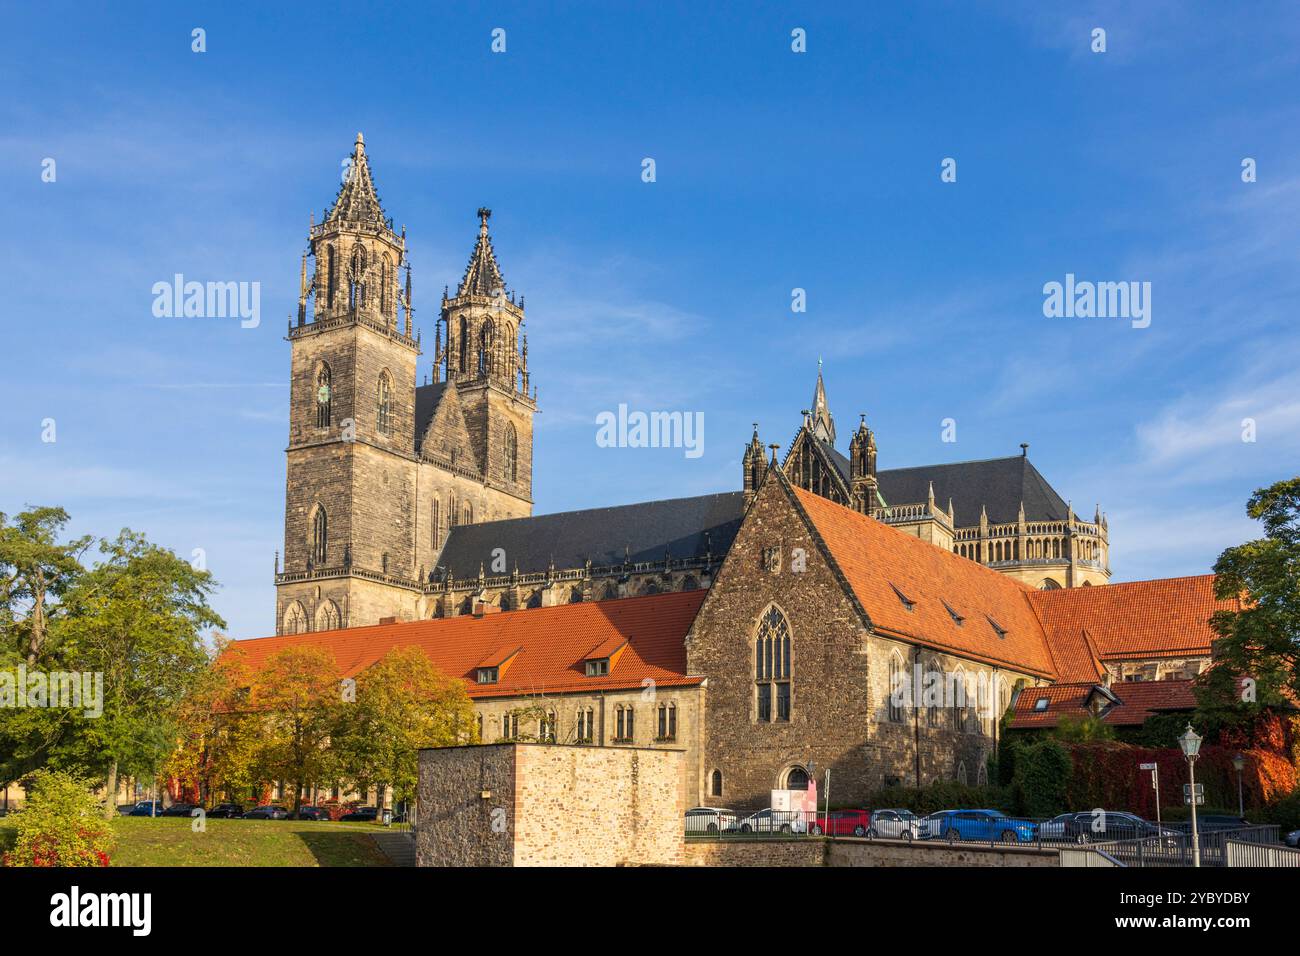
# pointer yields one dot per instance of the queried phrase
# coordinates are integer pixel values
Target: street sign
(1146, 766)
(1200, 794)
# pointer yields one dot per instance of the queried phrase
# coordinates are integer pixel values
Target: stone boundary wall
(823, 852)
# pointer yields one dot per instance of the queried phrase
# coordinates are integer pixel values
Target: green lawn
(169, 841)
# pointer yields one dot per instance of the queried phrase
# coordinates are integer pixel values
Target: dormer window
(488, 675)
(908, 603)
(997, 628)
(956, 618)
(598, 667)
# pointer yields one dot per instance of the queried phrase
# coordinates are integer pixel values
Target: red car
(842, 823)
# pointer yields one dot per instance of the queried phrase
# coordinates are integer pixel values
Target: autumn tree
(403, 703)
(36, 570)
(297, 694)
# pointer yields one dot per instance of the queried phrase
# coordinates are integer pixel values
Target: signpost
(1200, 794)
(1155, 783)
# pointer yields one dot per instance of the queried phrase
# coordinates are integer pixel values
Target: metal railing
(1175, 849)
(1258, 854)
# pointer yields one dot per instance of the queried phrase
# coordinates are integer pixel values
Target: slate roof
(552, 644)
(427, 398)
(999, 484)
(679, 527)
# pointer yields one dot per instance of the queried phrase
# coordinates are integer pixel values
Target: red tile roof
(1138, 700)
(877, 559)
(1169, 617)
(554, 642)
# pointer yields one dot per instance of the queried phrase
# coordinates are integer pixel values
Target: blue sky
(775, 170)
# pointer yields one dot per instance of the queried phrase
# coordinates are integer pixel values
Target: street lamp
(1239, 761)
(1190, 741)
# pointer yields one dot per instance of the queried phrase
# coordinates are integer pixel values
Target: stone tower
(486, 358)
(378, 469)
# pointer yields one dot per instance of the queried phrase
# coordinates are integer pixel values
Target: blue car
(979, 826)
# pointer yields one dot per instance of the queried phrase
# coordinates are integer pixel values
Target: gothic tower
(486, 358)
(379, 470)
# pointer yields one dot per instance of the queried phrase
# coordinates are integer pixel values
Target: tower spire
(822, 423)
(302, 292)
(409, 309)
(482, 274)
(357, 200)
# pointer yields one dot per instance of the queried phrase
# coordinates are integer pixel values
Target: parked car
(361, 815)
(313, 813)
(1207, 822)
(842, 823)
(710, 820)
(268, 811)
(1108, 825)
(773, 821)
(978, 826)
(894, 824)
(226, 811)
(146, 808)
(180, 810)
(1293, 839)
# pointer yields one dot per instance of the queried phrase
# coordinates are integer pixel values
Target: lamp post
(1190, 742)
(1239, 761)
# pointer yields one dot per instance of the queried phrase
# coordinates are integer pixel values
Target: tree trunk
(110, 801)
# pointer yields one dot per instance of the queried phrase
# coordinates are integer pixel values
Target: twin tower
(380, 468)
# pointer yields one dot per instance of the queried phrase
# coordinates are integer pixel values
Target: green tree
(36, 570)
(138, 618)
(403, 703)
(1042, 780)
(297, 694)
(1082, 729)
(1262, 640)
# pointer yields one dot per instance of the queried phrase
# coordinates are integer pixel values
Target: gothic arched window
(330, 280)
(463, 362)
(295, 620)
(435, 521)
(796, 778)
(715, 783)
(772, 666)
(357, 279)
(896, 688)
(485, 348)
(512, 454)
(384, 411)
(323, 396)
(319, 536)
(327, 617)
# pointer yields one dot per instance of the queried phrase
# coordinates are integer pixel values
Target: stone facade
(550, 805)
(377, 469)
(839, 678)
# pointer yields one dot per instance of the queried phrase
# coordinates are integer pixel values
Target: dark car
(267, 812)
(1101, 827)
(146, 808)
(226, 811)
(180, 810)
(313, 813)
(361, 815)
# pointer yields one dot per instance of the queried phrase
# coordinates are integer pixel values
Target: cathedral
(409, 501)
(768, 632)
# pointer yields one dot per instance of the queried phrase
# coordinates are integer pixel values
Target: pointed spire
(482, 275)
(357, 200)
(1020, 518)
(409, 310)
(437, 351)
(929, 499)
(822, 422)
(302, 292)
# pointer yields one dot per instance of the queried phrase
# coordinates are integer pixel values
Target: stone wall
(823, 852)
(745, 853)
(550, 805)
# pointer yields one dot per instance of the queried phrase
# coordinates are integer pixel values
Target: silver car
(895, 825)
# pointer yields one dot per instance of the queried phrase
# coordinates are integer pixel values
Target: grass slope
(171, 842)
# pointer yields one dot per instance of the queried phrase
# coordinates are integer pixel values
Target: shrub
(62, 825)
(1284, 811)
(1042, 779)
